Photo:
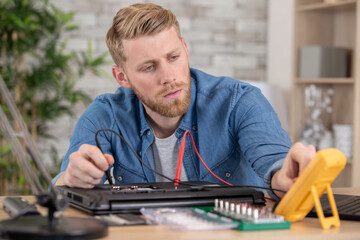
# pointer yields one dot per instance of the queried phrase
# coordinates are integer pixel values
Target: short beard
(172, 108)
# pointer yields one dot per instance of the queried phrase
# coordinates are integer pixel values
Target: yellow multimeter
(311, 184)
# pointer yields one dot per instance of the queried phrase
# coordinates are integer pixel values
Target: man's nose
(167, 74)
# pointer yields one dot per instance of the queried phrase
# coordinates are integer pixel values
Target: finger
(75, 178)
(93, 153)
(80, 167)
(303, 155)
(88, 183)
(312, 150)
(89, 169)
(296, 160)
(110, 159)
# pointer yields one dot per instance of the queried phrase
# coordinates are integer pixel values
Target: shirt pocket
(227, 169)
(123, 174)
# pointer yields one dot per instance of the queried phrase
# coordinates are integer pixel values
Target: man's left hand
(295, 162)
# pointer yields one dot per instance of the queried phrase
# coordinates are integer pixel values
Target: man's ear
(120, 76)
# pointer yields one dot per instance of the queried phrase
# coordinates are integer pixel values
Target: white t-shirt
(166, 152)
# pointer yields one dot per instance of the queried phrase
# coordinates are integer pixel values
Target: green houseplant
(40, 72)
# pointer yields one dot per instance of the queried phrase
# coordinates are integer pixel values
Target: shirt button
(119, 178)
(140, 153)
(194, 128)
(227, 174)
(148, 132)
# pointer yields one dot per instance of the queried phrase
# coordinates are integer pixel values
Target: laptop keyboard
(134, 189)
(348, 207)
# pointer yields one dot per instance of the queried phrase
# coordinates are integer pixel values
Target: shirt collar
(189, 119)
(144, 125)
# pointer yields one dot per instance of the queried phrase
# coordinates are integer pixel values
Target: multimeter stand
(326, 222)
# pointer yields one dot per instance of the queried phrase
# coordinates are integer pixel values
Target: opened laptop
(124, 198)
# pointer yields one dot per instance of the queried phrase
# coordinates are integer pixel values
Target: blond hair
(141, 19)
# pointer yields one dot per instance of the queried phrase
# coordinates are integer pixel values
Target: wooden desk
(308, 229)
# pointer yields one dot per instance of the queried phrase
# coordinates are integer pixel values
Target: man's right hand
(86, 167)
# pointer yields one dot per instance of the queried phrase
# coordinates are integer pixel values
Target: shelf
(323, 5)
(324, 81)
(319, 22)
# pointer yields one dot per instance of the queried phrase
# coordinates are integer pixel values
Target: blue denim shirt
(235, 129)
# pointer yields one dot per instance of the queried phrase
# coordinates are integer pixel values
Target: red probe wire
(180, 160)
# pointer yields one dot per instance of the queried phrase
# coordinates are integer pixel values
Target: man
(234, 127)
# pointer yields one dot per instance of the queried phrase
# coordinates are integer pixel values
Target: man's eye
(174, 57)
(149, 68)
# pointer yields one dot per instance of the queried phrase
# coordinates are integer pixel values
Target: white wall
(280, 46)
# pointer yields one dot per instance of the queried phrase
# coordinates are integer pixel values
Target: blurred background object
(41, 73)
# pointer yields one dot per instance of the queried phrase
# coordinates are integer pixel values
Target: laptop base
(127, 198)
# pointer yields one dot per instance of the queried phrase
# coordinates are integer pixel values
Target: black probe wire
(168, 178)
(137, 156)
(132, 150)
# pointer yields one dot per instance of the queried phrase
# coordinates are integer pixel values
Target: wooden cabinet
(334, 23)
